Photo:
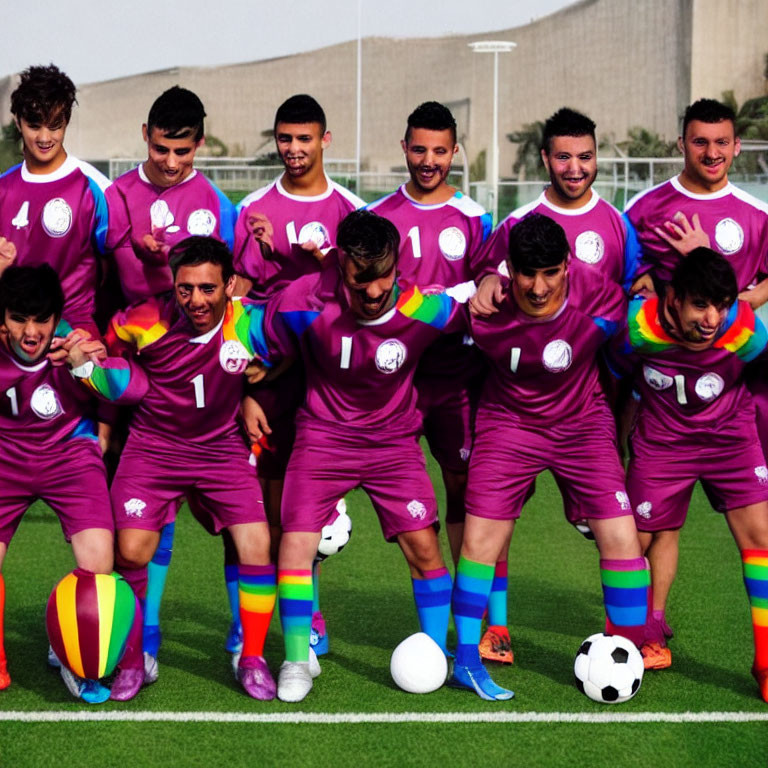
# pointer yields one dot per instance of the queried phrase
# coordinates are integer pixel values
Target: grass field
(555, 602)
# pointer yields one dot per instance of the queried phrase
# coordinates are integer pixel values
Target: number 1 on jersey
(14, 402)
(199, 386)
(413, 234)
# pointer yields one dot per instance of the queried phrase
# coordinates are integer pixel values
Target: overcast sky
(93, 40)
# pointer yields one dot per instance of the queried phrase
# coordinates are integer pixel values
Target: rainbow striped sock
(433, 604)
(497, 600)
(315, 586)
(257, 594)
(470, 596)
(625, 593)
(755, 565)
(2, 621)
(294, 589)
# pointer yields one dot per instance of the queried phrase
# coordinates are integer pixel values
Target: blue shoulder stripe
(100, 215)
(299, 320)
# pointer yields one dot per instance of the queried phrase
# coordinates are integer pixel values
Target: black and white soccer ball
(335, 535)
(608, 668)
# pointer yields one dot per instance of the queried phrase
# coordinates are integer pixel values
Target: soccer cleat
(127, 684)
(314, 664)
(478, 680)
(318, 636)
(294, 681)
(234, 641)
(90, 691)
(254, 675)
(496, 645)
(761, 675)
(151, 670)
(53, 659)
(5, 678)
(151, 639)
(656, 655)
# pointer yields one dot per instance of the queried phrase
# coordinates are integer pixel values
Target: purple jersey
(688, 396)
(137, 208)
(295, 219)
(545, 372)
(359, 374)
(736, 222)
(595, 232)
(194, 383)
(59, 219)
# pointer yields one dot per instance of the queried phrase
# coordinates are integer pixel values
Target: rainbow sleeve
(244, 322)
(645, 332)
(140, 325)
(744, 335)
(116, 380)
(434, 309)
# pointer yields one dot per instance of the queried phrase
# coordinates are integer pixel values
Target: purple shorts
(71, 479)
(660, 481)
(324, 467)
(217, 477)
(506, 459)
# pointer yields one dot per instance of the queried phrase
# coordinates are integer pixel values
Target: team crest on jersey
(557, 356)
(201, 222)
(417, 510)
(160, 215)
(452, 243)
(761, 473)
(729, 235)
(315, 232)
(233, 356)
(135, 507)
(45, 402)
(709, 386)
(644, 509)
(589, 247)
(390, 355)
(623, 500)
(57, 217)
(656, 379)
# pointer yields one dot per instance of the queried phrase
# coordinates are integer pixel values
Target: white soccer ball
(418, 665)
(608, 668)
(335, 535)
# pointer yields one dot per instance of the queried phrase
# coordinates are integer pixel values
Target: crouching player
(543, 408)
(697, 422)
(47, 421)
(192, 349)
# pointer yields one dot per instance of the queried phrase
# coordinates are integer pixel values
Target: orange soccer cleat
(496, 645)
(656, 656)
(5, 678)
(761, 675)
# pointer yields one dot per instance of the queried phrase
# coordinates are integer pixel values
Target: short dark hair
(370, 241)
(433, 116)
(537, 242)
(707, 275)
(32, 292)
(708, 111)
(201, 250)
(43, 93)
(178, 113)
(300, 108)
(566, 122)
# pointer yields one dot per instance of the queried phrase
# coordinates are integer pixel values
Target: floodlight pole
(495, 47)
(359, 95)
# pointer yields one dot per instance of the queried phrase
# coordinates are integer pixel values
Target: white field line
(310, 718)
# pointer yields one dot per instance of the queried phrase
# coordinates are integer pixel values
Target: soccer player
(151, 208)
(192, 348)
(543, 407)
(441, 232)
(284, 230)
(46, 423)
(360, 338)
(697, 422)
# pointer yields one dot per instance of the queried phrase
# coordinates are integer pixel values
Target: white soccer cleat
(151, 669)
(314, 664)
(294, 681)
(53, 659)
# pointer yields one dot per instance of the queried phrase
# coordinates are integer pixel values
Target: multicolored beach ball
(88, 618)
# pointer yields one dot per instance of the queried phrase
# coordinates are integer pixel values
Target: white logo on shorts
(762, 474)
(729, 235)
(135, 507)
(623, 500)
(589, 247)
(201, 222)
(160, 215)
(316, 233)
(557, 356)
(390, 355)
(233, 356)
(57, 217)
(656, 379)
(709, 386)
(452, 243)
(45, 402)
(644, 509)
(417, 509)
(341, 507)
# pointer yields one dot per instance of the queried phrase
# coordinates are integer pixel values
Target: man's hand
(312, 247)
(150, 244)
(254, 420)
(643, 286)
(81, 348)
(756, 296)
(7, 254)
(489, 295)
(255, 371)
(262, 231)
(683, 235)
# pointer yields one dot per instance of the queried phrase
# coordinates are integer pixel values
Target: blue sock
(497, 600)
(470, 597)
(232, 581)
(315, 586)
(157, 571)
(433, 604)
